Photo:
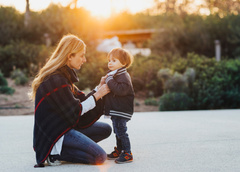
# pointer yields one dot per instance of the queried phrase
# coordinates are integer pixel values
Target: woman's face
(77, 60)
(114, 63)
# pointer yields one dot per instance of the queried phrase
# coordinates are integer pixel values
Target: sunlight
(137, 6)
(105, 8)
(98, 8)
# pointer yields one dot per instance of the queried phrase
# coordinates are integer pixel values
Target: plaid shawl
(57, 110)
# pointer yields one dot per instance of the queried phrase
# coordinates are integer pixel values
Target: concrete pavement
(183, 141)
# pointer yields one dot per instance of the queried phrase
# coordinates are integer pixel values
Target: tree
(223, 7)
(27, 14)
(11, 25)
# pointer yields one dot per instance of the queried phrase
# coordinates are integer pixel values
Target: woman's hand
(102, 81)
(102, 91)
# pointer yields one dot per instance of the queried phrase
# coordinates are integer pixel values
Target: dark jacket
(119, 102)
(57, 110)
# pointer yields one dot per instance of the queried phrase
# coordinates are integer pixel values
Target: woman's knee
(108, 130)
(101, 158)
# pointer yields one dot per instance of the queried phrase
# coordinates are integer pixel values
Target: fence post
(217, 50)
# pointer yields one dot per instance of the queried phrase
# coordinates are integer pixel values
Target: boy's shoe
(115, 154)
(124, 158)
(52, 161)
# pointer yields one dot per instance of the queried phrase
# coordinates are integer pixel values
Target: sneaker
(124, 158)
(115, 154)
(52, 162)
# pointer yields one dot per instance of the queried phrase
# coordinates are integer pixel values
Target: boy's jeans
(120, 129)
(81, 147)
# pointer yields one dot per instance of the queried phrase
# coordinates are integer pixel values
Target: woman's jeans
(120, 129)
(80, 146)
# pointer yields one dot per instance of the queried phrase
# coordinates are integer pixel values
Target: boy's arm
(120, 87)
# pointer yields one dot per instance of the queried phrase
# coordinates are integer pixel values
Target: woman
(65, 127)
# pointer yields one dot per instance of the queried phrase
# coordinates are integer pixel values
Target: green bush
(177, 82)
(19, 77)
(22, 80)
(16, 73)
(3, 81)
(19, 54)
(144, 74)
(217, 85)
(175, 101)
(6, 90)
(151, 101)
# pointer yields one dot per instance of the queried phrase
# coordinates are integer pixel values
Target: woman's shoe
(52, 161)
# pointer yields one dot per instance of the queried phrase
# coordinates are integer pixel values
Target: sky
(101, 8)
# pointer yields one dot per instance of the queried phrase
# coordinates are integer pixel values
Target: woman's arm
(90, 102)
(102, 91)
(81, 95)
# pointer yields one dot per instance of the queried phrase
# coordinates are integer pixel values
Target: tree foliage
(194, 33)
(222, 7)
(193, 76)
(11, 24)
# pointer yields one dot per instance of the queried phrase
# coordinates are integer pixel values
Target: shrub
(6, 90)
(22, 80)
(19, 54)
(144, 74)
(3, 81)
(177, 82)
(164, 74)
(151, 101)
(19, 77)
(217, 85)
(16, 73)
(175, 101)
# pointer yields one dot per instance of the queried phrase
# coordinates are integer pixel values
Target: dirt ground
(19, 104)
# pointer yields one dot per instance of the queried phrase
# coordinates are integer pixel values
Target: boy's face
(114, 63)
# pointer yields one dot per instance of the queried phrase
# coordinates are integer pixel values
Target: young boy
(119, 102)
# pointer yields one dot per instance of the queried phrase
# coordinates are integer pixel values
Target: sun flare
(105, 8)
(98, 8)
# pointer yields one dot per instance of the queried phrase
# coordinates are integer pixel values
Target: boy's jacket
(120, 101)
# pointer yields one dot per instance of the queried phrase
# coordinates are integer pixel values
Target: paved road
(185, 141)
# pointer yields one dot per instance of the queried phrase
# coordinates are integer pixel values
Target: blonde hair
(125, 57)
(68, 45)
